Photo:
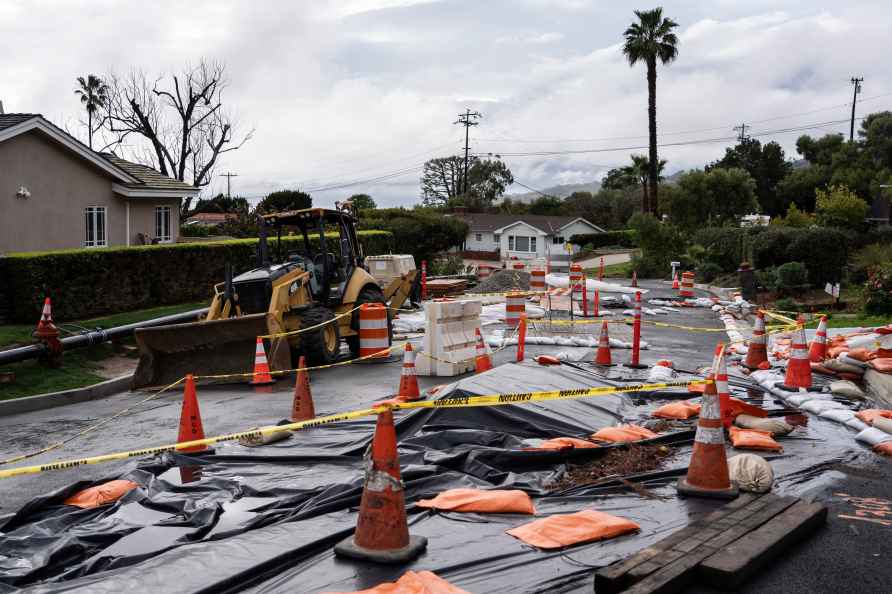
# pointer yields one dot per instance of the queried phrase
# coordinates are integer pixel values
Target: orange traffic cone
(261, 376)
(708, 469)
(482, 361)
(635, 278)
(302, 408)
(675, 284)
(817, 351)
(757, 349)
(408, 379)
(382, 534)
(602, 357)
(798, 368)
(45, 327)
(190, 418)
(721, 384)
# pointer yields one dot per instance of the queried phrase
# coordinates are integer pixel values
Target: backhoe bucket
(208, 348)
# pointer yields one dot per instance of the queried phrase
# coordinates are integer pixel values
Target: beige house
(56, 193)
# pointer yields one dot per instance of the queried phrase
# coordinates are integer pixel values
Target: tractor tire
(370, 294)
(320, 345)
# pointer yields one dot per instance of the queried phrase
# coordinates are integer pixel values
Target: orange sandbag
(883, 365)
(869, 414)
(752, 439)
(682, 409)
(564, 443)
(564, 530)
(623, 434)
(476, 500)
(835, 351)
(882, 353)
(819, 368)
(884, 448)
(861, 354)
(101, 494)
(739, 407)
(422, 582)
(883, 329)
(697, 388)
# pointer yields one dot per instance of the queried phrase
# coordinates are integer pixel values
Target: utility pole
(229, 175)
(741, 137)
(467, 120)
(857, 83)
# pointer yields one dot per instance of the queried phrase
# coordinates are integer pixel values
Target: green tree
(443, 182)
(94, 95)
(221, 203)
(767, 166)
(608, 209)
(838, 206)
(799, 187)
(718, 197)
(794, 218)
(283, 200)
(650, 40)
(509, 206)
(362, 202)
(547, 205)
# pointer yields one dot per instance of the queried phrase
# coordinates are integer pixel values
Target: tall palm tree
(639, 171)
(649, 40)
(93, 93)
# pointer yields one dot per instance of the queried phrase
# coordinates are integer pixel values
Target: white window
(95, 225)
(511, 243)
(521, 243)
(557, 240)
(532, 244)
(478, 237)
(162, 223)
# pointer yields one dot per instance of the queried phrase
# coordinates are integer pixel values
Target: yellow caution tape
(455, 402)
(313, 327)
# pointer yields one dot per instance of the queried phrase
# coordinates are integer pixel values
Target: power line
(742, 136)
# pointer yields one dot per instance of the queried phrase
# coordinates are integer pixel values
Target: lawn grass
(857, 321)
(621, 270)
(80, 367)
(20, 334)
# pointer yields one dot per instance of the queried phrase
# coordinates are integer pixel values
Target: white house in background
(524, 237)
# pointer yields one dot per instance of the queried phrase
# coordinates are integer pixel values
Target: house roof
(493, 222)
(148, 177)
(8, 120)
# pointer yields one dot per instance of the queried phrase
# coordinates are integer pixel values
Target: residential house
(523, 237)
(57, 193)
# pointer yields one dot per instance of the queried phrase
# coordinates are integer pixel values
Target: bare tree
(176, 124)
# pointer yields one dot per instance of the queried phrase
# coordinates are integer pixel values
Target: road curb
(53, 399)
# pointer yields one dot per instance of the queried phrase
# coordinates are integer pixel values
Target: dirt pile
(504, 280)
(617, 463)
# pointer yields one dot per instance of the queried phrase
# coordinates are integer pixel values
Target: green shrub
(792, 277)
(660, 244)
(767, 278)
(786, 304)
(869, 257)
(878, 290)
(424, 234)
(837, 206)
(624, 239)
(708, 271)
(92, 282)
(197, 231)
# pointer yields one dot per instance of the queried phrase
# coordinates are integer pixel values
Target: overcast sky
(354, 90)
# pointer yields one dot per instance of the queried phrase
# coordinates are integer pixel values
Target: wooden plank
(738, 561)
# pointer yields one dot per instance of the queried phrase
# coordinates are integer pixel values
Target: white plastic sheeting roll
(562, 281)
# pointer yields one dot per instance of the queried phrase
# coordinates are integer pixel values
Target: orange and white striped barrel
(373, 335)
(687, 284)
(518, 266)
(537, 280)
(483, 272)
(515, 304)
(576, 281)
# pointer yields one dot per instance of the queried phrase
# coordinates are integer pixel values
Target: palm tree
(639, 171)
(649, 40)
(93, 93)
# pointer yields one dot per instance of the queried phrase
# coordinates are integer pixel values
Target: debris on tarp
(625, 461)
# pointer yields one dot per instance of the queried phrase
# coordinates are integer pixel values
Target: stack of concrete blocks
(450, 330)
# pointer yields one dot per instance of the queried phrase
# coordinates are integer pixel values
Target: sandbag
(873, 436)
(840, 415)
(818, 406)
(856, 424)
(659, 373)
(869, 414)
(682, 409)
(884, 448)
(854, 362)
(101, 494)
(847, 389)
(843, 367)
(860, 354)
(623, 434)
(739, 407)
(497, 501)
(883, 365)
(563, 530)
(563, 443)
(820, 368)
(422, 582)
(751, 473)
(883, 424)
(775, 426)
(798, 399)
(752, 439)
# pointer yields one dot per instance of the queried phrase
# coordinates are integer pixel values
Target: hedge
(623, 238)
(87, 283)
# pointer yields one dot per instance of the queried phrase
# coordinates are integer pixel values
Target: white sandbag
(658, 374)
(798, 400)
(847, 388)
(659, 302)
(561, 341)
(628, 312)
(819, 406)
(873, 436)
(840, 415)
(856, 424)
(774, 425)
(626, 299)
(883, 424)
(764, 375)
(842, 367)
(751, 473)
(582, 341)
(844, 357)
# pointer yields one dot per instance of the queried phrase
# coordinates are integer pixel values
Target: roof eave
(149, 192)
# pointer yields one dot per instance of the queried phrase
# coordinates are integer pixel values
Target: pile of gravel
(504, 280)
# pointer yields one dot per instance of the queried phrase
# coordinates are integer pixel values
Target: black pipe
(91, 337)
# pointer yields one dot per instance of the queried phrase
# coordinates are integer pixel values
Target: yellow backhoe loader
(312, 294)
